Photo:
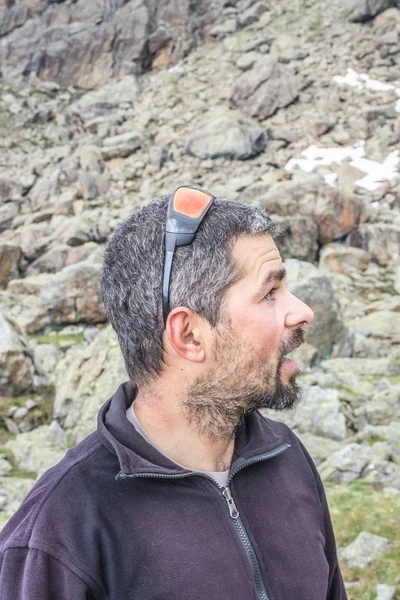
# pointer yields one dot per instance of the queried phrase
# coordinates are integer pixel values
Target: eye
(271, 294)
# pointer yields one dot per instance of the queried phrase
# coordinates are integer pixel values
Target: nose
(299, 313)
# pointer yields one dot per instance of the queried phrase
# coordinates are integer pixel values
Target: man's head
(231, 317)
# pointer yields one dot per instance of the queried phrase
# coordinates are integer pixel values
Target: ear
(185, 334)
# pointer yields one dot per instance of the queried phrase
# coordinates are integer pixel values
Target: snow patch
(375, 172)
(363, 81)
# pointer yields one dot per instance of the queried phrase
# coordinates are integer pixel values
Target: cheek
(259, 330)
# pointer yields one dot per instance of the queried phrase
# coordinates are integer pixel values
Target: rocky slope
(291, 105)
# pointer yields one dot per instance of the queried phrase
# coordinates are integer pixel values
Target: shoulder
(52, 498)
(298, 454)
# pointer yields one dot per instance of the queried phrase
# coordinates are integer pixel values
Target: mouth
(287, 361)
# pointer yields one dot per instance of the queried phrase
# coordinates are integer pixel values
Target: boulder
(5, 466)
(327, 333)
(365, 10)
(382, 474)
(266, 88)
(121, 145)
(42, 192)
(13, 17)
(383, 407)
(394, 440)
(10, 190)
(7, 213)
(78, 230)
(381, 324)
(10, 255)
(39, 449)
(13, 491)
(381, 240)
(334, 213)
(225, 133)
(347, 464)
(16, 368)
(343, 259)
(385, 592)
(318, 413)
(106, 100)
(319, 448)
(84, 380)
(70, 296)
(51, 261)
(45, 358)
(34, 239)
(87, 44)
(298, 238)
(361, 367)
(366, 548)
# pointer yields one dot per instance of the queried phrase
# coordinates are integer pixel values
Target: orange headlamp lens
(190, 202)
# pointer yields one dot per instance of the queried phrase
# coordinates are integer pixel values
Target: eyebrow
(277, 275)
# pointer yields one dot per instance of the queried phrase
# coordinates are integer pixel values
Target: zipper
(233, 511)
(240, 528)
(244, 538)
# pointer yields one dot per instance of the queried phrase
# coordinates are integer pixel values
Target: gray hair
(202, 272)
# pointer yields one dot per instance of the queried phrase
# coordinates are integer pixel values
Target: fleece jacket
(117, 520)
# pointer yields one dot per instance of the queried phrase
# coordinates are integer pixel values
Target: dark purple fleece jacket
(117, 520)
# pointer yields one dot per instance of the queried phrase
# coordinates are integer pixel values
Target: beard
(235, 386)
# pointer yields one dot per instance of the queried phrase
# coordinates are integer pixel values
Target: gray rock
(381, 473)
(225, 133)
(7, 213)
(13, 17)
(366, 548)
(251, 14)
(5, 467)
(70, 296)
(106, 99)
(343, 259)
(346, 464)
(121, 145)
(334, 212)
(309, 284)
(39, 449)
(394, 440)
(90, 158)
(362, 367)
(320, 448)
(379, 324)
(365, 10)
(226, 28)
(45, 358)
(384, 407)
(10, 255)
(16, 368)
(13, 491)
(298, 238)
(385, 592)
(51, 261)
(266, 88)
(319, 413)
(84, 380)
(9, 190)
(381, 240)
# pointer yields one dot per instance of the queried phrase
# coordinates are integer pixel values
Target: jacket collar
(255, 436)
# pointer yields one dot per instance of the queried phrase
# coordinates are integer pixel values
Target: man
(185, 491)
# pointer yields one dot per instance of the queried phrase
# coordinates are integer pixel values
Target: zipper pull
(233, 511)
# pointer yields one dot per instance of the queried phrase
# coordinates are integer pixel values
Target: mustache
(296, 339)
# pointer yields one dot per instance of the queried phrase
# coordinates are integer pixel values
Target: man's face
(261, 322)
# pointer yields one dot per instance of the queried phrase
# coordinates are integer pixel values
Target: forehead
(256, 255)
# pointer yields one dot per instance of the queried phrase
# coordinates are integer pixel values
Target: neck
(164, 418)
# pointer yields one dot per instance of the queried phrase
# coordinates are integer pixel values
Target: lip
(290, 364)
